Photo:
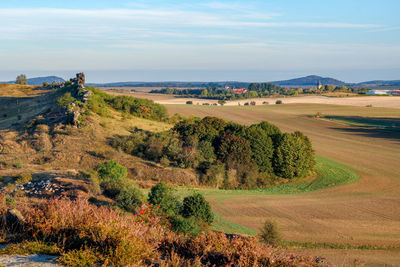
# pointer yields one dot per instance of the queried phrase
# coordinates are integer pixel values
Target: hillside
(55, 199)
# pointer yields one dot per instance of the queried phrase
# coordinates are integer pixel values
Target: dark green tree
(163, 196)
(196, 206)
(294, 156)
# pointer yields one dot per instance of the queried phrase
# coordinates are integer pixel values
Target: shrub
(269, 233)
(164, 161)
(10, 202)
(94, 182)
(183, 225)
(198, 207)
(278, 102)
(18, 164)
(163, 196)
(212, 174)
(111, 176)
(23, 178)
(130, 197)
(65, 100)
(82, 257)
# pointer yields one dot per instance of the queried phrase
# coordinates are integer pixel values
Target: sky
(150, 40)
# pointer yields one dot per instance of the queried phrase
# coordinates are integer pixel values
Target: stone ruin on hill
(79, 80)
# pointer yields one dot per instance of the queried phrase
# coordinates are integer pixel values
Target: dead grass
(87, 235)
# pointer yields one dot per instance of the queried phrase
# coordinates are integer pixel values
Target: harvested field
(361, 101)
(365, 212)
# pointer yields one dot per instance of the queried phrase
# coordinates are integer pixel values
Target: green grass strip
(328, 245)
(222, 224)
(329, 174)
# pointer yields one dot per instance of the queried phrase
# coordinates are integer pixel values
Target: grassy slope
(329, 174)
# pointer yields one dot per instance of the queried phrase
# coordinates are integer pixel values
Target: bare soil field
(366, 212)
(361, 101)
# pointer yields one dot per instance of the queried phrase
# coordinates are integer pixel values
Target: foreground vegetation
(86, 235)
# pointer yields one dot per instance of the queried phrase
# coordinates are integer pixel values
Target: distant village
(383, 92)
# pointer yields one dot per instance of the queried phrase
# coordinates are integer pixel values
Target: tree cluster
(226, 154)
(190, 216)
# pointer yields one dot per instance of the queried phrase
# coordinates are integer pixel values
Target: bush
(94, 182)
(130, 197)
(269, 233)
(82, 257)
(65, 100)
(111, 176)
(18, 164)
(183, 225)
(23, 178)
(278, 102)
(163, 196)
(198, 207)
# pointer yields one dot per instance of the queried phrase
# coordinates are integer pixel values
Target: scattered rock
(29, 260)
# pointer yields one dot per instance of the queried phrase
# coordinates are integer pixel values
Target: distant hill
(379, 83)
(41, 80)
(48, 79)
(311, 80)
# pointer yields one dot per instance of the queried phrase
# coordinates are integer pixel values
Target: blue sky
(149, 40)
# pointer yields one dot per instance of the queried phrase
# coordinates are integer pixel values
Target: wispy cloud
(167, 17)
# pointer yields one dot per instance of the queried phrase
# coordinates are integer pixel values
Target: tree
(162, 195)
(196, 206)
(262, 147)
(234, 151)
(294, 156)
(21, 79)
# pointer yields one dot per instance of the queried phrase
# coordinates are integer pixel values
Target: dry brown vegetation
(87, 235)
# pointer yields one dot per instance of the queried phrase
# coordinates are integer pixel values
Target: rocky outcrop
(79, 80)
